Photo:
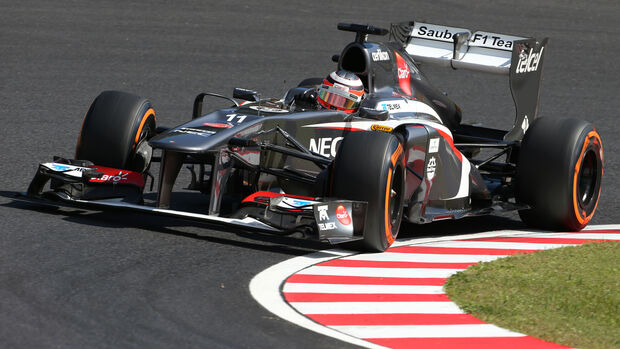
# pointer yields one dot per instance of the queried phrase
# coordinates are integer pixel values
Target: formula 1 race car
(281, 166)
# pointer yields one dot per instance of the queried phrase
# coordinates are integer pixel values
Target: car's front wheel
(369, 167)
(115, 131)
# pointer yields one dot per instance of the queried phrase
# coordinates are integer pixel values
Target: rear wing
(518, 57)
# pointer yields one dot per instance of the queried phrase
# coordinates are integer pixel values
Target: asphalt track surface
(75, 278)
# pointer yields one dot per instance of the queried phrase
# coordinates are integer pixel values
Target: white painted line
(377, 307)
(380, 272)
(496, 233)
(427, 331)
(605, 236)
(494, 245)
(422, 257)
(602, 227)
(361, 289)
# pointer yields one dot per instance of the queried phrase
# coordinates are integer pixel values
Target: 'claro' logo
(343, 215)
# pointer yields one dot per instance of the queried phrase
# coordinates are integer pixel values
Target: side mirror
(246, 95)
(369, 113)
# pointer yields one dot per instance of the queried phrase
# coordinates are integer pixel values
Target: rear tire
(115, 131)
(559, 173)
(369, 166)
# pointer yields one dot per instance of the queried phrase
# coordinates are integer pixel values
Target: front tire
(559, 173)
(369, 166)
(115, 131)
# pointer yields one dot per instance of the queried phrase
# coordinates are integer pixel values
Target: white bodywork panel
(480, 51)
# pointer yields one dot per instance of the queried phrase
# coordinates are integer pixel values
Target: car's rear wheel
(559, 173)
(115, 131)
(369, 167)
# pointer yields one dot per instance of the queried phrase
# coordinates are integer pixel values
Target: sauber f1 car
(286, 166)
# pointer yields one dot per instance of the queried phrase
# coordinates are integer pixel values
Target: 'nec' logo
(325, 146)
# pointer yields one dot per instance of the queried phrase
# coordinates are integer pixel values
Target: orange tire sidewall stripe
(388, 221)
(388, 225)
(146, 116)
(396, 154)
(581, 216)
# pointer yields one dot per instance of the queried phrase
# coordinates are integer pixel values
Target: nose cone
(185, 139)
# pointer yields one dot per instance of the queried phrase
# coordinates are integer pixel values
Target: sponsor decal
(396, 106)
(325, 146)
(58, 167)
(297, 202)
(433, 145)
(195, 131)
(323, 216)
(67, 170)
(376, 127)
(343, 215)
(403, 74)
(119, 177)
(380, 56)
(433, 32)
(116, 176)
(217, 125)
(111, 177)
(491, 40)
(238, 118)
(528, 61)
(327, 226)
(430, 168)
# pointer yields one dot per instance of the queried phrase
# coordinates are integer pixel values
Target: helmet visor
(339, 97)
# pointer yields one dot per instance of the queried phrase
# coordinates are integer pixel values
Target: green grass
(569, 295)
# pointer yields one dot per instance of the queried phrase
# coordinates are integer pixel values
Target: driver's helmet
(341, 90)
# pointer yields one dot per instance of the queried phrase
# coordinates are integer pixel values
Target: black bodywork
(283, 146)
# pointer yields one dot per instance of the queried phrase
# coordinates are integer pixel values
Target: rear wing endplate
(518, 57)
